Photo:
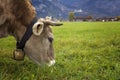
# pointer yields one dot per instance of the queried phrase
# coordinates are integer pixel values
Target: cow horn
(50, 22)
(38, 28)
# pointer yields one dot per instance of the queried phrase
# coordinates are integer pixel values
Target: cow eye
(50, 39)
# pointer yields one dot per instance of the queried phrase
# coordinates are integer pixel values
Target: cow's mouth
(51, 59)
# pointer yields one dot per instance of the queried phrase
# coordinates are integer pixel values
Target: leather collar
(21, 44)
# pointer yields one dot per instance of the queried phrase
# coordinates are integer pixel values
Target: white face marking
(52, 62)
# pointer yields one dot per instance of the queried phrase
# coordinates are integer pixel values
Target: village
(90, 19)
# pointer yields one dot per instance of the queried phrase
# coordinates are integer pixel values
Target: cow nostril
(50, 39)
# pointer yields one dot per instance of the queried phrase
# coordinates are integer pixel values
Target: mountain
(50, 8)
(61, 8)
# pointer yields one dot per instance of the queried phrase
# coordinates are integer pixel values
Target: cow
(33, 35)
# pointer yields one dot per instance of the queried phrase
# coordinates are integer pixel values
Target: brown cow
(34, 36)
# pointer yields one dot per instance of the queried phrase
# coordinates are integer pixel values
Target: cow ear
(38, 28)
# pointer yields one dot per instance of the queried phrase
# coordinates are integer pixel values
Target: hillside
(61, 8)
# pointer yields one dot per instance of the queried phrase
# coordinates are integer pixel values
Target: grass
(83, 51)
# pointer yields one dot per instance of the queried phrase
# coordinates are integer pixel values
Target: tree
(89, 17)
(71, 16)
(118, 18)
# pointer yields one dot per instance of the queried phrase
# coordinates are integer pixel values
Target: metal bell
(18, 54)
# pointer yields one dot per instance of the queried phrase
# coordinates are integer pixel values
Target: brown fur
(24, 11)
(17, 10)
(15, 14)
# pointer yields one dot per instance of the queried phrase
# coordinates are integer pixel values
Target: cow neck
(21, 44)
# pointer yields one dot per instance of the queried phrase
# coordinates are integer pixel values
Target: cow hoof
(18, 55)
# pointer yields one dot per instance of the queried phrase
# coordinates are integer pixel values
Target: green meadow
(83, 51)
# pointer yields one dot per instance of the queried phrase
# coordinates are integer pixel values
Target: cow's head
(39, 47)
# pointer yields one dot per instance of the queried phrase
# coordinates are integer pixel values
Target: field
(83, 51)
